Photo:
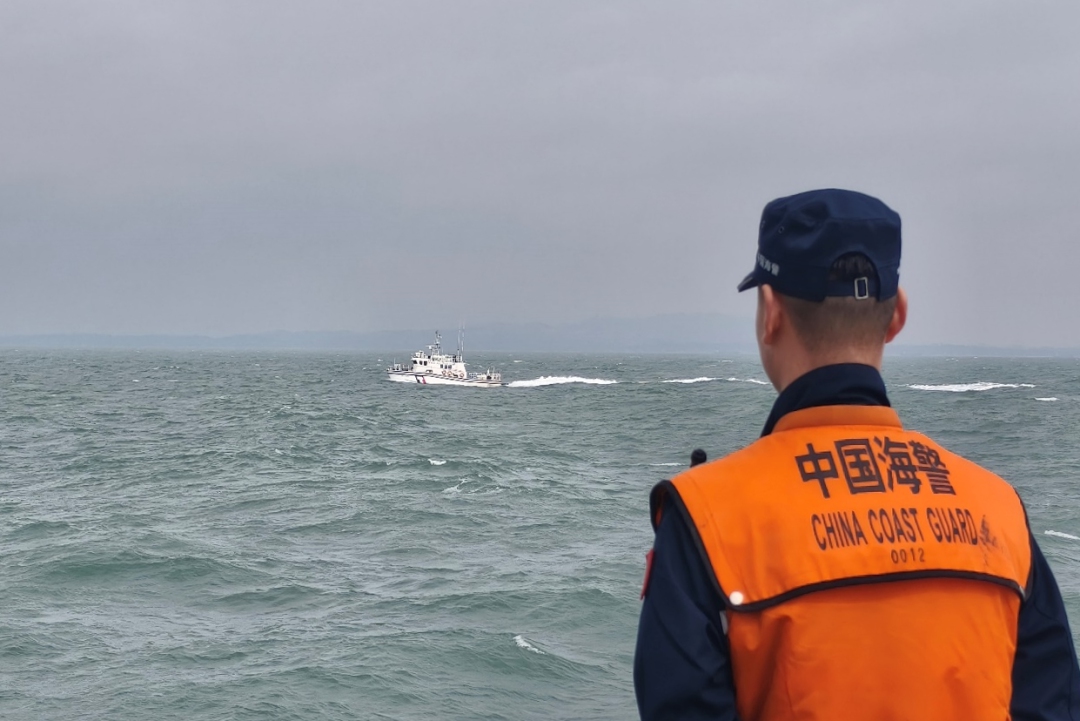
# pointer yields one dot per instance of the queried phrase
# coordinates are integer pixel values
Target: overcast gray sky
(224, 167)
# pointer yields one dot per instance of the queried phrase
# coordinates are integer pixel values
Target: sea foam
(964, 387)
(1059, 534)
(706, 379)
(522, 643)
(559, 380)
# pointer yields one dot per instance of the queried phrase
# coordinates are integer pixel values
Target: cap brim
(749, 282)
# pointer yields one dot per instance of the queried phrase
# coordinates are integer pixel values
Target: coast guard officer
(842, 566)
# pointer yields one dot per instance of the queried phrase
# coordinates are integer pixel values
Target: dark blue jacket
(682, 666)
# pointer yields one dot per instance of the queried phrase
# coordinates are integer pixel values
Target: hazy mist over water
(208, 168)
(291, 536)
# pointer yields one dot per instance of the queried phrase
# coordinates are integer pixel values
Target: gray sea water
(291, 536)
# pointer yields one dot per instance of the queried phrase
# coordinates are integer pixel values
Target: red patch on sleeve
(648, 572)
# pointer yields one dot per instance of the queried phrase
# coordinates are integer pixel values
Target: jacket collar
(839, 416)
(843, 384)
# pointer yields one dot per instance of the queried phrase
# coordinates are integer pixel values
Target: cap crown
(802, 235)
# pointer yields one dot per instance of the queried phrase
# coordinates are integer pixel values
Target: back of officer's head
(833, 258)
(842, 320)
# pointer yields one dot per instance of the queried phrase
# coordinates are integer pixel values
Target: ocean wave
(1059, 534)
(40, 529)
(84, 566)
(1051, 398)
(665, 464)
(755, 381)
(436, 462)
(520, 641)
(285, 595)
(964, 387)
(559, 380)
(703, 379)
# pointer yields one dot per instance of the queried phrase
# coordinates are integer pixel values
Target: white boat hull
(433, 379)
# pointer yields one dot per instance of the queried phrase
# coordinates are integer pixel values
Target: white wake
(965, 387)
(559, 380)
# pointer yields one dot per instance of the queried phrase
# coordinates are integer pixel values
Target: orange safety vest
(868, 573)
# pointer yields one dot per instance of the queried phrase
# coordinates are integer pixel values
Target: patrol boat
(433, 367)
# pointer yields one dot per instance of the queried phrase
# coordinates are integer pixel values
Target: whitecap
(522, 643)
(559, 380)
(702, 379)
(755, 381)
(436, 462)
(964, 387)
(665, 464)
(1051, 398)
(1059, 534)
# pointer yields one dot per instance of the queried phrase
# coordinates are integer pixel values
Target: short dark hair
(842, 321)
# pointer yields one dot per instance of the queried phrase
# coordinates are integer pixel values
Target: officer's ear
(899, 316)
(770, 314)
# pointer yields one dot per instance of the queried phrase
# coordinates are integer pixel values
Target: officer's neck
(790, 360)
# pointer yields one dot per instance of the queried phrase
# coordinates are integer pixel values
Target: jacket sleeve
(1046, 681)
(682, 668)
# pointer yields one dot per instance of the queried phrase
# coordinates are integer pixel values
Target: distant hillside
(670, 333)
(978, 351)
(675, 333)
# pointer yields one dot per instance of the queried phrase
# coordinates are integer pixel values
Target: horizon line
(165, 341)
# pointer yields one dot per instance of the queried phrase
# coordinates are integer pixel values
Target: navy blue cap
(802, 235)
